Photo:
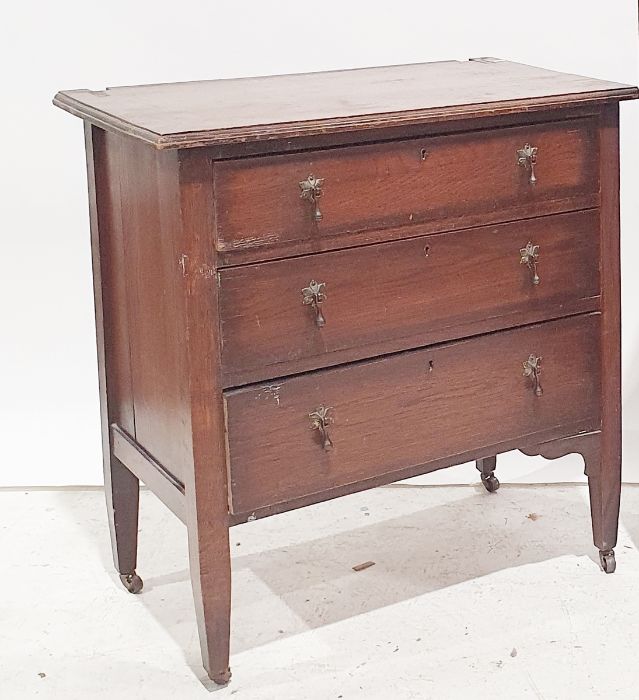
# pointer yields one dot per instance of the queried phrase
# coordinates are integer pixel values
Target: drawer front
(443, 182)
(397, 295)
(409, 409)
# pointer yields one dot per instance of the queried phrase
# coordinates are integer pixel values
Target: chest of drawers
(309, 285)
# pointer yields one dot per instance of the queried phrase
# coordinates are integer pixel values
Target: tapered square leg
(601, 452)
(604, 472)
(604, 485)
(206, 487)
(123, 499)
(121, 487)
(211, 581)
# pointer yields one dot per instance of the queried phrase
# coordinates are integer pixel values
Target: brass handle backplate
(312, 190)
(527, 158)
(314, 295)
(532, 368)
(530, 256)
(320, 420)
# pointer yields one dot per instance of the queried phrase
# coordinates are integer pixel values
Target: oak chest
(308, 285)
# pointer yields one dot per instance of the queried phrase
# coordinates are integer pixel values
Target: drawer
(442, 182)
(401, 294)
(409, 409)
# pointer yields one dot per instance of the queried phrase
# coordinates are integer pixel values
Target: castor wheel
(132, 582)
(490, 482)
(607, 559)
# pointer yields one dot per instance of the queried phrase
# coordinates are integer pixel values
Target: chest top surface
(211, 112)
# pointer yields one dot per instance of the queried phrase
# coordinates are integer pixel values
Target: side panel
(149, 342)
(110, 280)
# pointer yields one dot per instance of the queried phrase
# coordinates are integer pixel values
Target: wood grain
(604, 477)
(453, 181)
(121, 486)
(206, 479)
(149, 214)
(408, 409)
(210, 366)
(404, 293)
(249, 109)
(587, 444)
(147, 469)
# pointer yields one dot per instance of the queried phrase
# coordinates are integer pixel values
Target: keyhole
(430, 365)
(426, 251)
(423, 153)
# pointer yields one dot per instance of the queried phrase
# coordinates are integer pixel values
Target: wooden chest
(308, 285)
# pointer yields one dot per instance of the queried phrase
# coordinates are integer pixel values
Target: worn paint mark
(272, 391)
(202, 270)
(255, 241)
(206, 271)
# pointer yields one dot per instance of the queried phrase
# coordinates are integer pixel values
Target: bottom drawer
(325, 429)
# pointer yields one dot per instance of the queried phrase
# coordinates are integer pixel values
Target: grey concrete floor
(472, 596)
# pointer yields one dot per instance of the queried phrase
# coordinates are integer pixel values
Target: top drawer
(267, 207)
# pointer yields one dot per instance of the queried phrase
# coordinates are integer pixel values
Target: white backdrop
(49, 422)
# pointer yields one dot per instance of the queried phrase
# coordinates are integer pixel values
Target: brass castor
(222, 678)
(490, 482)
(132, 582)
(607, 559)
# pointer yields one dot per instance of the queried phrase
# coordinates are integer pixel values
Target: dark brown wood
(554, 433)
(207, 490)
(165, 486)
(605, 482)
(223, 391)
(604, 491)
(486, 468)
(440, 183)
(121, 486)
(587, 444)
(149, 212)
(225, 151)
(407, 410)
(404, 294)
(286, 106)
(487, 465)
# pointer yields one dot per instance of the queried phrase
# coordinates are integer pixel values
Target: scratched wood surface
(248, 109)
(209, 362)
(449, 181)
(409, 409)
(404, 294)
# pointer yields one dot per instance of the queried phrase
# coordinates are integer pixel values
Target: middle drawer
(302, 313)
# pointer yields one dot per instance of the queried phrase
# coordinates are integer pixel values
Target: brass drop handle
(320, 420)
(312, 190)
(530, 256)
(532, 368)
(527, 158)
(314, 295)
